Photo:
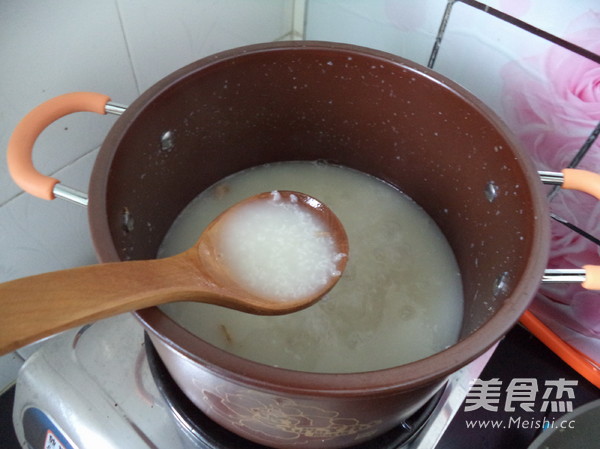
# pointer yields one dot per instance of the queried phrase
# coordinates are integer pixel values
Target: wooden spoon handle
(36, 307)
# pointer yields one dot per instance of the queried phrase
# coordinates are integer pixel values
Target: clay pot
(352, 106)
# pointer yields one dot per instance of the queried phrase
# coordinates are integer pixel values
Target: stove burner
(206, 434)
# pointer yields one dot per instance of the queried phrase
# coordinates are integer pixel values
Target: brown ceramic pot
(360, 108)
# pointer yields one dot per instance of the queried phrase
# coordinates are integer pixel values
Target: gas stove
(115, 393)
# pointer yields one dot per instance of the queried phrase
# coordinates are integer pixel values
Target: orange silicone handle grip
(583, 180)
(588, 182)
(592, 277)
(20, 145)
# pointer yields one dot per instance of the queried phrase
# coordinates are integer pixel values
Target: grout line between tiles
(122, 25)
(52, 174)
(299, 19)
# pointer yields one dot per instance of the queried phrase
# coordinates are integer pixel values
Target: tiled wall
(121, 47)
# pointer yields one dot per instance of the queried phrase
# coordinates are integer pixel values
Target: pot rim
(401, 378)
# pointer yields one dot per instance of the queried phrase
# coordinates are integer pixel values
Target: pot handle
(589, 276)
(587, 182)
(583, 180)
(20, 145)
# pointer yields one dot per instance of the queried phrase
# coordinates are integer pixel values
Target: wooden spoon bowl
(39, 306)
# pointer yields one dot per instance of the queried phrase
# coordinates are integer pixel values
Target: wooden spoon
(36, 307)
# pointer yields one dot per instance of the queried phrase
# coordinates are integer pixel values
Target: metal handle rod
(75, 196)
(114, 108)
(67, 193)
(564, 275)
(552, 178)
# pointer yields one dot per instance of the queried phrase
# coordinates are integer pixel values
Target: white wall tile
(552, 16)
(38, 235)
(164, 36)
(403, 27)
(472, 37)
(477, 46)
(51, 48)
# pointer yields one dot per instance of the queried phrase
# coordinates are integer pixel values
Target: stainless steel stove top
(108, 397)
